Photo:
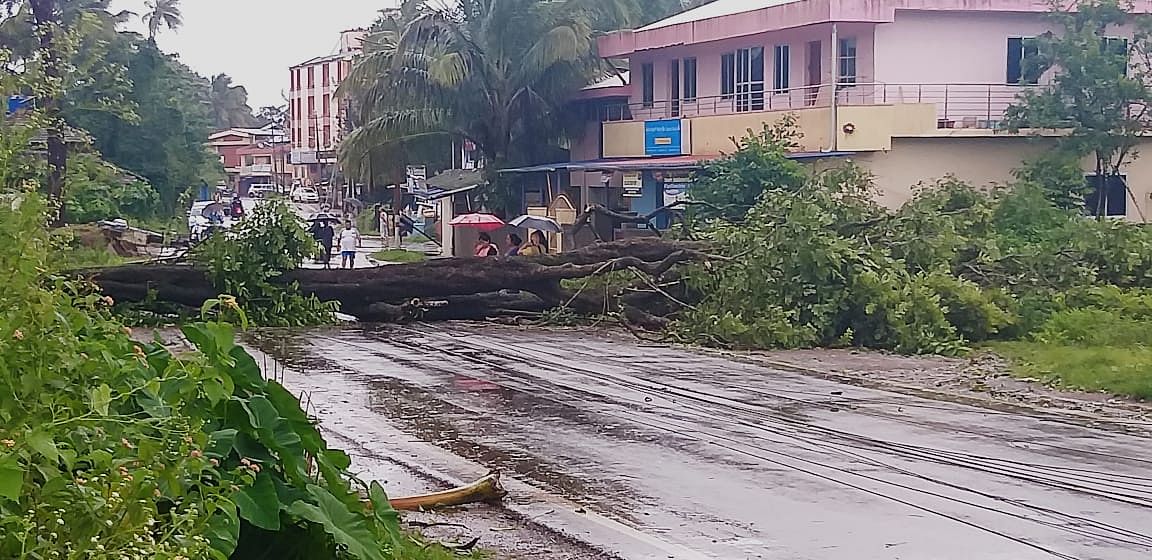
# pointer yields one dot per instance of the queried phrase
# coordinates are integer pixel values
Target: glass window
(647, 84)
(780, 68)
(689, 79)
(847, 55)
(1022, 67)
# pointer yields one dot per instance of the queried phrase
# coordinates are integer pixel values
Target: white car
(262, 191)
(306, 195)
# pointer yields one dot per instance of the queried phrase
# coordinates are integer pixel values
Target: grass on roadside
(1122, 370)
(399, 256)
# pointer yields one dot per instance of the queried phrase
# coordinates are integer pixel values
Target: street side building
(237, 148)
(913, 90)
(316, 116)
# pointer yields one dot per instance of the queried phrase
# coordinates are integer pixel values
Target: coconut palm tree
(230, 104)
(495, 72)
(162, 13)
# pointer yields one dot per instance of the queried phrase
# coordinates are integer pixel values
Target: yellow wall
(713, 135)
(981, 161)
(624, 139)
(875, 125)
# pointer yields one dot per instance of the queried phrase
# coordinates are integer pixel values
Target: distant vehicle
(200, 226)
(306, 195)
(262, 190)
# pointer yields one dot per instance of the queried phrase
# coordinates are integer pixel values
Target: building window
(781, 56)
(689, 79)
(1108, 197)
(311, 107)
(311, 77)
(674, 87)
(1022, 67)
(750, 79)
(327, 136)
(326, 105)
(1117, 47)
(648, 84)
(847, 56)
(727, 75)
(326, 76)
(742, 77)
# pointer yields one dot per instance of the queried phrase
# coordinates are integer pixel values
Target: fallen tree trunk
(457, 288)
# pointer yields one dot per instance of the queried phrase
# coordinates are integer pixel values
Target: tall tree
(495, 72)
(230, 104)
(162, 13)
(1101, 88)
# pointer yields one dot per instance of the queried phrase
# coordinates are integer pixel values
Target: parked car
(262, 191)
(305, 195)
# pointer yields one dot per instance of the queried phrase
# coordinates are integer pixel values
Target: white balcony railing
(257, 169)
(957, 105)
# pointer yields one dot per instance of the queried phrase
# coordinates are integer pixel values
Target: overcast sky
(255, 41)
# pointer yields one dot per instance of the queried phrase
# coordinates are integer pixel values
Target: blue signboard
(664, 138)
(16, 103)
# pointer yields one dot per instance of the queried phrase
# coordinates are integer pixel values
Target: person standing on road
(323, 233)
(349, 241)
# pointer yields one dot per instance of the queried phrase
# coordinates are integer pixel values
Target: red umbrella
(482, 222)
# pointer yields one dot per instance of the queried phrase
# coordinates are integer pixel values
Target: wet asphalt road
(720, 459)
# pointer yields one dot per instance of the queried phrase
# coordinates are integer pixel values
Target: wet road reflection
(734, 460)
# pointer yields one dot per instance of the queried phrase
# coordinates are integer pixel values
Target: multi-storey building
(316, 115)
(252, 156)
(912, 90)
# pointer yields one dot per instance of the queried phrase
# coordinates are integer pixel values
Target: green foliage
(499, 73)
(732, 185)
(822, 265)
(244, 261)
(1097, 79)
(399, 256)
(95, 190)
(165, 142)
(1121, 370)
(113, 448)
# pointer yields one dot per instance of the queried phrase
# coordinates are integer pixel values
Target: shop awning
(648, 163)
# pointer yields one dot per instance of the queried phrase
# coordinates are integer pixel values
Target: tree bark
(458, 288)
(45, 18)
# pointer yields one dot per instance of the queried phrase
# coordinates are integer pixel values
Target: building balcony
(976, 106)
(259, 169)
(864, 116)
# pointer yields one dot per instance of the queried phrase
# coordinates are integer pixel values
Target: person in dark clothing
(514, 243)
(323, 233)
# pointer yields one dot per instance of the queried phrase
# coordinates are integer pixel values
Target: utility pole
(397, 200)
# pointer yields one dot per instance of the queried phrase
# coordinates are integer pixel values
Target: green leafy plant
(820, 264)
(245, 261)
(112, 448)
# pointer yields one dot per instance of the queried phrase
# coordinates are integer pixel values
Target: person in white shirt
(349, 241)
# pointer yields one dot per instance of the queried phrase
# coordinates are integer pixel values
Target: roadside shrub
(1093, 327)
(97, 191)
(243, 262)
(822, 265)
(112, 448)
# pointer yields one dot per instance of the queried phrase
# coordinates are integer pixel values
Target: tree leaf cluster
(822, 264)
(243, 261)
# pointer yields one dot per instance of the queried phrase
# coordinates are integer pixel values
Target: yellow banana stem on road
(486, 490)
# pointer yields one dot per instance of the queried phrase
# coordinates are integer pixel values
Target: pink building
(912, 89)
(236, 148)
(316, 115)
